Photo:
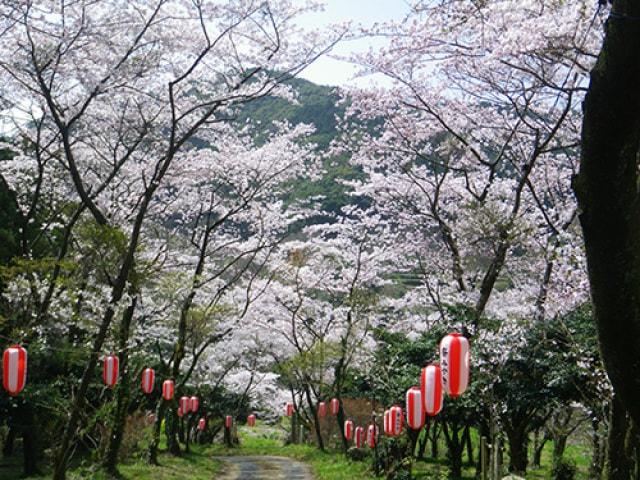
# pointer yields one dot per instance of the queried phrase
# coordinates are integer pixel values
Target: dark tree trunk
(517, 450)
(468, 444)
(455, 447)
(435, 436)
(171, 432)
(314, 416)
(608, 195)
(7, 448)
(619, 464)
(422, 442)
(227, 437)
(152, 453)
(340, 419)
(30, 445)
(123, 393)
(559, 446)
(538, 447)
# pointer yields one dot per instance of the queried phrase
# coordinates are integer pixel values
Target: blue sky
(329, 71)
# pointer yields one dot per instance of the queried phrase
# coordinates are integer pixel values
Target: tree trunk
(455, 447)
(314, 416)
(171, 432)
(608, 195)
(340, 419)
(538, 447)
(597, 452)
(152, 453)
(30, 447)
(7, 448)
(619, 464)
(517, 450)
(435, 436)
(559, 446)
(123, 392)
(468, 444)
(422, 442)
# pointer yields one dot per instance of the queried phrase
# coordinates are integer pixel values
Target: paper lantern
(202, 424)
(372, 435)
(168, 387)
(14, 369)
(454, 362)
(110, 370)
(180, 412)
(194, 404)
(322, 409)
(396, 421)
(359, 437)
(334, 406)
(185, 404)
(228, 421)
(415, 409)
(289, 409)
(348, 429)
(431, 389)
(148, 380)
(251, 420)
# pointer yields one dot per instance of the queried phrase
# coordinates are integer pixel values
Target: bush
(564, 470)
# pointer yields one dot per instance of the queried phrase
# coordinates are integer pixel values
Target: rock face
(262, 468)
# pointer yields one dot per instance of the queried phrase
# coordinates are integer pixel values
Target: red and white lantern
(251, 420)
(322, 409)
(110, 372)
(168, 387)
(289, 409)
(415, 409)
(334, 406)
(228, 421)
(372, 435)
(348, 430)
(14, 369)
(431, 389)
(180, 412)
(148, 380)
(396, 421)
(454, 362)
(185, 404)
(202, 424)
(194, 404)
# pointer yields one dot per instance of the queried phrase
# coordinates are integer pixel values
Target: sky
(331, 71)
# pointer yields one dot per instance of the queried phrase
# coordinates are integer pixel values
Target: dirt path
(262, 468)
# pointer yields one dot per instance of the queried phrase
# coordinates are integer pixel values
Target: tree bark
(455, 447)
(123, 392)
(152, 453)
(7, 448)
(607, 192)
(619, 465)
(517, 450)
(30, 446)
(597, 457)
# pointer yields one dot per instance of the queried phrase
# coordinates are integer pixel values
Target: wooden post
(483, 458)
(497, 456)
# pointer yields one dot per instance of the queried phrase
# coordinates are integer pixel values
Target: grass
(199, 464)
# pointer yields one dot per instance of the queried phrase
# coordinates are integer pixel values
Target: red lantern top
(228, 421)
(202, 424)
(110, 372)
(454, 362)
(289, 409)
(14, 369)
(251, 420)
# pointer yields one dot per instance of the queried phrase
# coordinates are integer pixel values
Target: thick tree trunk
(340, 418)
(608, 195)
(538, 447)
(314, 416)
(435, 436)
(517, 450)
(468, 444)
(559, 446)
(123, 393)
(422, 442)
